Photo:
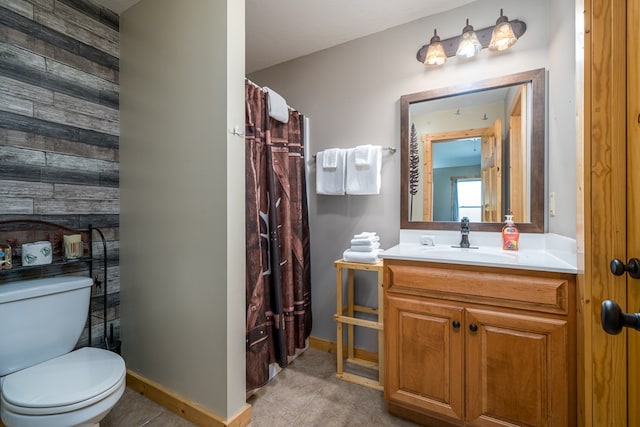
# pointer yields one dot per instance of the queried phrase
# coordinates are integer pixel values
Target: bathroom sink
(478, 254)
(488, 255)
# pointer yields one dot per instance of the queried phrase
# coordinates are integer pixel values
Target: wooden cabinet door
(425, 356)
(516, 370)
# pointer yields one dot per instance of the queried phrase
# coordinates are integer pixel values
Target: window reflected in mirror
(466, 199)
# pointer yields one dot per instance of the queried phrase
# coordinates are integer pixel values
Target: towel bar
(392, 150)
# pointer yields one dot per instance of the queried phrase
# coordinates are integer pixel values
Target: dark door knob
(473, 327)
(618, 267)
(614, 319)
(456, 324)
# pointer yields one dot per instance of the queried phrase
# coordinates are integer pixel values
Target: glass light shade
(435, 54)
(502, 37)
(469, 45)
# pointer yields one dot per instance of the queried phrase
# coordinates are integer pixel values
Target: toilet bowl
(76, 389)
(43, 383)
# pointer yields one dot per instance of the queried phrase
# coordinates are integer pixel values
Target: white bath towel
(330, 181)
(367, 179)
(330, 158)
(366, 257)
(278, 108)
(365, 248)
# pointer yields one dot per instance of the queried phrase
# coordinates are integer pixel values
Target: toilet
(43, 383)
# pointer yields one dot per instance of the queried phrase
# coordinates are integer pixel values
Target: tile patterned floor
(306, 393)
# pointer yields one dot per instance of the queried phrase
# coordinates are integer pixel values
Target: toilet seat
(67, 383)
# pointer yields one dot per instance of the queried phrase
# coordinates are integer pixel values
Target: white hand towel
(362, 155)
(365, 242)
(364, 235)
(364, 180)
(330, 158)
(365, 257)
(330, 181)
(278, 108)
(365, 248)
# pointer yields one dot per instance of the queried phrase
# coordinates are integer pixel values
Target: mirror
(474, 150)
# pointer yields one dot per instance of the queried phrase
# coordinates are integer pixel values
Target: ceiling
(281, 30)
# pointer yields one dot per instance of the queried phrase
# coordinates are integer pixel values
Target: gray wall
(59, 123)
(182, 213)
(351, 93)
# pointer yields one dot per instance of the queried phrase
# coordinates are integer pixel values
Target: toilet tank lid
(23, 289)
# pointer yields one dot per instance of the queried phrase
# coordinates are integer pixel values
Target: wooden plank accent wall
(60, 124)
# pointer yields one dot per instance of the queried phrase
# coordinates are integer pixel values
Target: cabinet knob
(473, 327)
(456, 324)
(618, 267)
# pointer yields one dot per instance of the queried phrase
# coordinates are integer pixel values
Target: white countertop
(543, 252)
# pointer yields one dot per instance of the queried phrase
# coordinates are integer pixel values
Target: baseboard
(330, 347)
(187, 410)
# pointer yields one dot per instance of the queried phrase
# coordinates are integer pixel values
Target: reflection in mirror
(475, 151)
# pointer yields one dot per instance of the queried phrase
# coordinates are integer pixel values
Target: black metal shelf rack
(36, 229)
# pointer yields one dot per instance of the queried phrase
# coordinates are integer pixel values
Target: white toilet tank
(41, 319)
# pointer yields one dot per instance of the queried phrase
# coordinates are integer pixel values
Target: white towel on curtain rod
(278, 108)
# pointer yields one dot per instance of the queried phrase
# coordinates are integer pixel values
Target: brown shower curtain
(278, 276)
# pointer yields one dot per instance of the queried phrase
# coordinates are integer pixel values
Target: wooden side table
(345, 314)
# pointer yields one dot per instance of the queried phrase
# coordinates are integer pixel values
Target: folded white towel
(278, 108)
(366, 241)
(330, 158)
(331, 181)
(364, 235)
(365, 257)
(365, 248)
(362, 155)
(364, 180)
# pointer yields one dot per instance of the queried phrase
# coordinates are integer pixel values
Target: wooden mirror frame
(537, 151)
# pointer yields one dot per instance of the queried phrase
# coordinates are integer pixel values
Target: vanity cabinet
(479, 346)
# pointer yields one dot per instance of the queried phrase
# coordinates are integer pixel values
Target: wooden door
(633, 201)
(491, 172)
(424, 356)
(516, 370)
(611, 209)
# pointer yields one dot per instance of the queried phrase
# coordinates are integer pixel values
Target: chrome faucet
(464, 230)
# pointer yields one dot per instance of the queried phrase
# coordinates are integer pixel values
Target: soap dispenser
(510, 234)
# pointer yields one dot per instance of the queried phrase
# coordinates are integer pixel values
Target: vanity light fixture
(435, 53)
(499, 37)
(469, 44)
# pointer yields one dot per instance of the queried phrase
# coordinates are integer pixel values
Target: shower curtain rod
(392, 150)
